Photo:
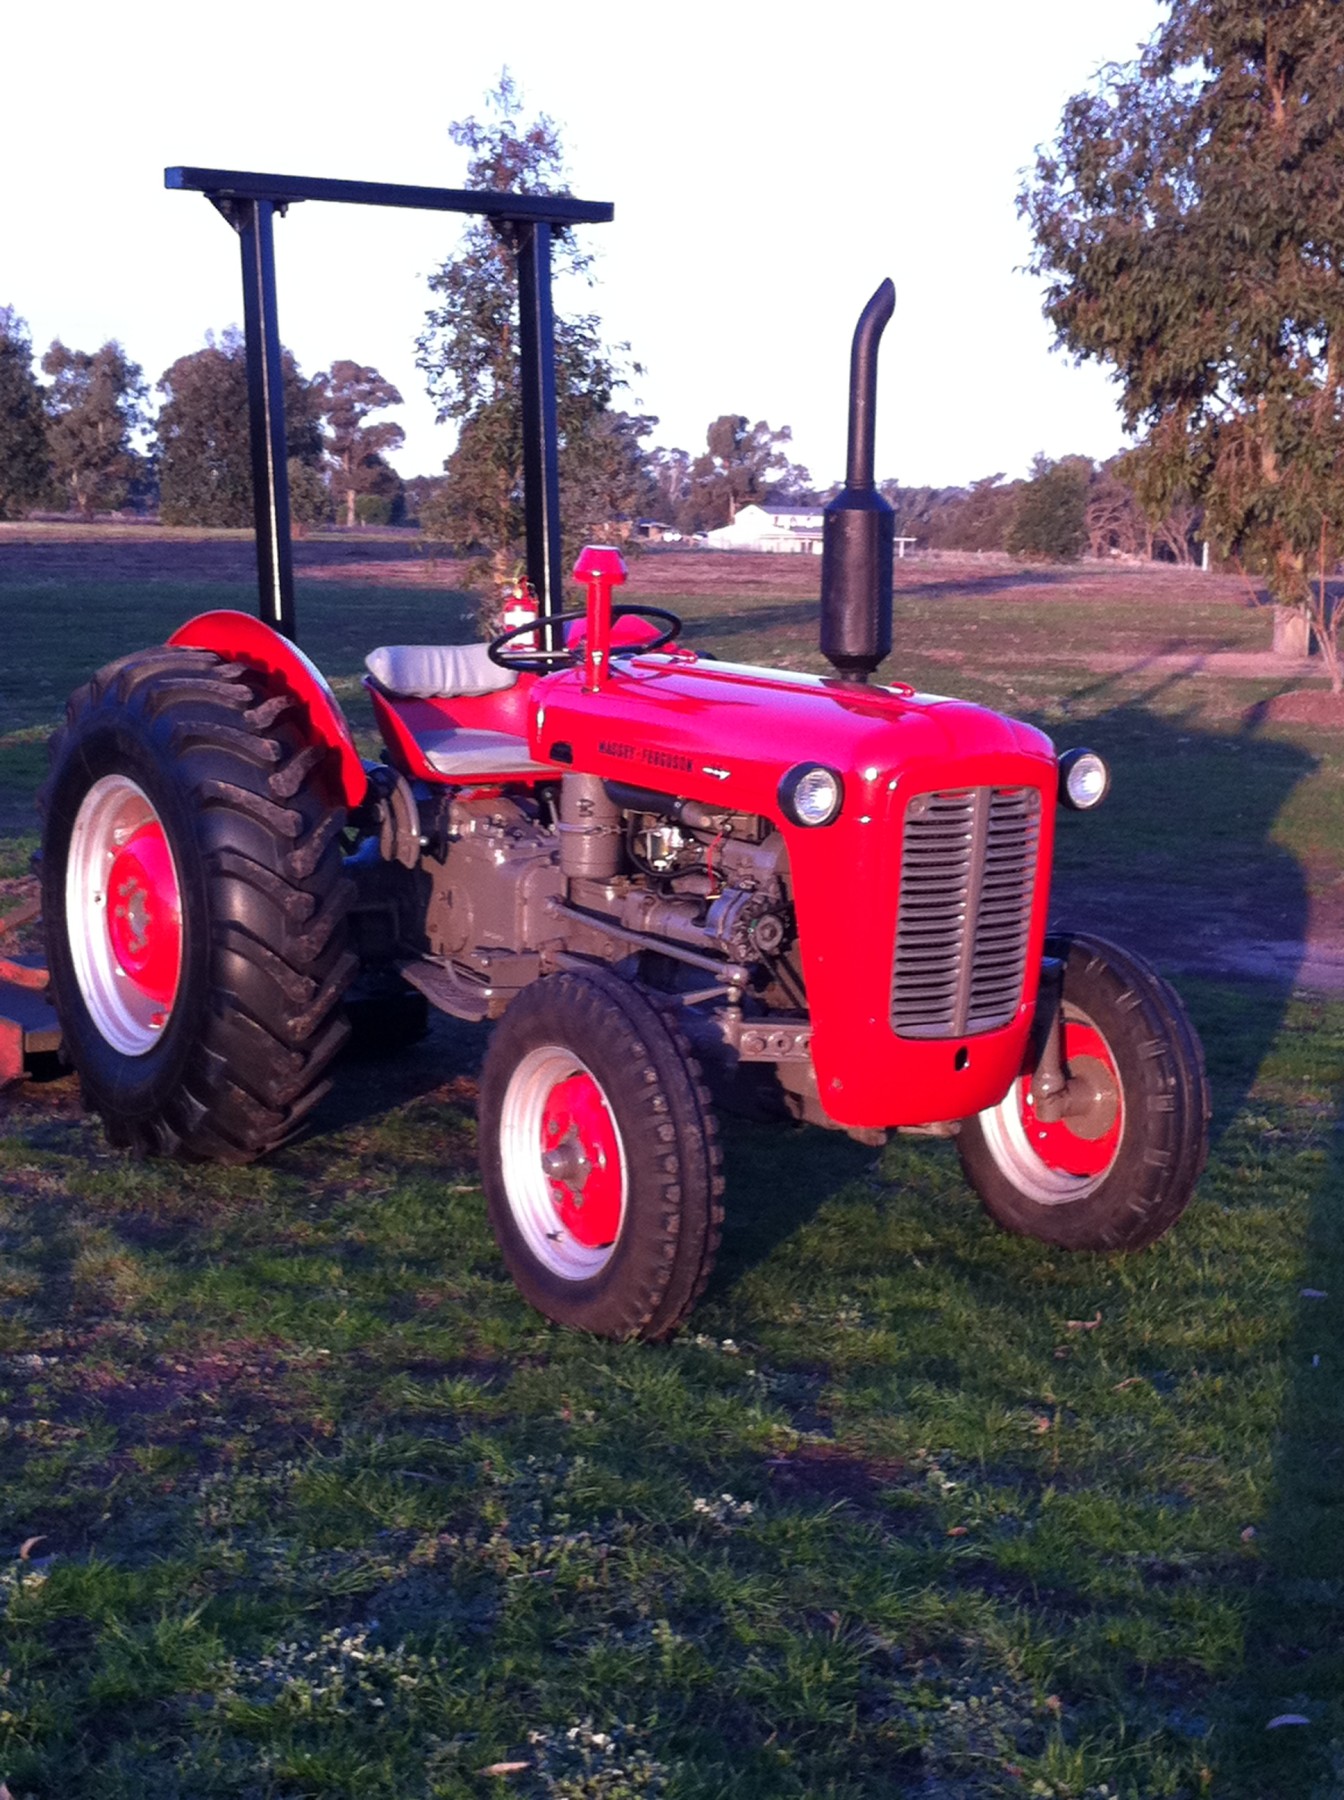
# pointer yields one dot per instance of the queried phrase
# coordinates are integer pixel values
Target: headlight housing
(1084, 780)
(811, 794)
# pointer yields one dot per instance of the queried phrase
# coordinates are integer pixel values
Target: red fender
(240, 638)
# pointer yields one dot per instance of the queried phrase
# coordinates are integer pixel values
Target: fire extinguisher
(520, 608)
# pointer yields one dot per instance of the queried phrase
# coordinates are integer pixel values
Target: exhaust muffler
(859, 526)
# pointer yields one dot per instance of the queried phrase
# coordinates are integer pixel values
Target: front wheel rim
(123, 915)
(1049, 1163)
(563, 1163)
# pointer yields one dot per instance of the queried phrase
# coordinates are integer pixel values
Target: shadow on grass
(778, 1178)
(1179, 866)
(372, 1078)
(1181, 863)
(788, 615)
(713, 628)
(1293, 1663)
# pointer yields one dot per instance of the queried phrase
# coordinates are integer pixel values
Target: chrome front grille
(968, 874)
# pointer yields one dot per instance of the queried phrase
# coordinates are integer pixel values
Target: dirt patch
(1227, 665)
(833, 1472)
(1292, 940)
(1310, 706)
(1233, 665)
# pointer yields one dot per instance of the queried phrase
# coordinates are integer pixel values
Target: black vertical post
(541, 474)
(266, 415)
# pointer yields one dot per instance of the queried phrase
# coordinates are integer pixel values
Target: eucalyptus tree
(1189, 221)
(95, 406)
(356, 443)
(205, 461)
(25, 460)
(469, 352)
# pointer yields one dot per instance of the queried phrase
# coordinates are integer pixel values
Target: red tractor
(672, 880)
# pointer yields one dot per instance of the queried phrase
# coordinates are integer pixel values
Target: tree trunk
(1292, 632)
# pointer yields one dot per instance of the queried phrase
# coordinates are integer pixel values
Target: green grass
(322, 1509)
(59, 631)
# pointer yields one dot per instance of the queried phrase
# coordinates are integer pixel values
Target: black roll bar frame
(250, 201)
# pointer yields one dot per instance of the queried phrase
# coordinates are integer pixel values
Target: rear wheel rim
(123, 911)
(1050, 1162)
(563, 1163)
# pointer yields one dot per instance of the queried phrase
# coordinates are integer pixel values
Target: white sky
(767, 172)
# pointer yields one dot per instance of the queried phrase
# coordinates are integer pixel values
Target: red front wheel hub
(563, 1163)
(1067, 1146)
(581, 1157)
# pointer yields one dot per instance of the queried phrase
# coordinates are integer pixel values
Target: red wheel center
(581, 1155)
(1057, 1142)
(144, 913)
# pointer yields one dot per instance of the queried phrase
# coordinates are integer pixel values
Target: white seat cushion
(464, 754)
(437, 671)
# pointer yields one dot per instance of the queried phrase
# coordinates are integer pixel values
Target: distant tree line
(87, 440)
(1064, 509)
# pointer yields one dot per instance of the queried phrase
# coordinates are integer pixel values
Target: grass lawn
(299, 1499)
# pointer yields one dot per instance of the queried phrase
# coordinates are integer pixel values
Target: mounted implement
(29, 1033)
(672, 881)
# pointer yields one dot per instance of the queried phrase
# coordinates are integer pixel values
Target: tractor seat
(414, 673)
(438, 672)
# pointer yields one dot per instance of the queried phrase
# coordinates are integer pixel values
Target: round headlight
(811, 794)
(1084, 780)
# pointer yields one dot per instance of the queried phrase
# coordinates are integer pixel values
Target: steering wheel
(540, 658)
(553, 659)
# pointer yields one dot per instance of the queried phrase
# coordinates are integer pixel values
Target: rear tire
(195, 906)
(616, 1231)
(1118, 1180)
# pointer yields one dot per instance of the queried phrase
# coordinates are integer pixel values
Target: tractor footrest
(454, 993)
(469, 755)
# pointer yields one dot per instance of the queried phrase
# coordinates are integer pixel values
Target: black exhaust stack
(859, 527)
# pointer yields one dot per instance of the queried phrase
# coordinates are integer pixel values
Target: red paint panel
(725, 735)
(403, 722)
(240, 638)
(144, 919)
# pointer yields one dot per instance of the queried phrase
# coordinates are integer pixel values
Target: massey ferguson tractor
(671, 880)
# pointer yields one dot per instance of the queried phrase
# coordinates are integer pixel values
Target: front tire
(1118, 1175)
(600, 1157)
(195, 903)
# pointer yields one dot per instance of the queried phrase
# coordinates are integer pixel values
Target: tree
(205, 469)
(469, 351)
(309, 496)
(670, 474)
(95, 404)
(736, 467)
(605, 480)
(417, 494)
(1189, 220)
(974, 518)
(356, 449)
(24, 460)
(1114, 520)
(1050, 520)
